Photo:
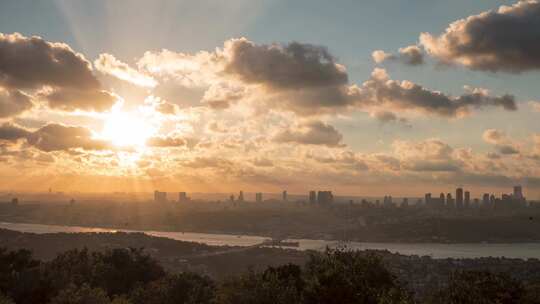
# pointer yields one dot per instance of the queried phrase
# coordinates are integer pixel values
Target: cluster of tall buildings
(462, 199)
(321, 197)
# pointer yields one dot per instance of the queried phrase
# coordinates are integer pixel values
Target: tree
(280, 285)
(183, 288)
(342, 276)
(81, 295)
(480, 287)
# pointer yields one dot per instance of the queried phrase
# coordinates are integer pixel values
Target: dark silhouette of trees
(130, 276)
(480, 287)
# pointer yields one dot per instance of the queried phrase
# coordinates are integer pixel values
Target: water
(435, 250)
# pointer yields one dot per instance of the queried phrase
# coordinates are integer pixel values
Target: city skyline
(181, 99)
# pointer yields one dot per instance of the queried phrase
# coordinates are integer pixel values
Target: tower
(459, 197)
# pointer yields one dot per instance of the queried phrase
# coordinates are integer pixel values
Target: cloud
(58, 137)
(507, 150)
(494, 136)
(307, 80)
(384, 93)
(389, 117)
(291, 66)
(311, 133)
(109, 65)
(166, 141)
(73, 99)
(12, 132)
(33, 64)
(501, 141)
(13, 103)
(535, 105)
(507, 39)
(410, 55)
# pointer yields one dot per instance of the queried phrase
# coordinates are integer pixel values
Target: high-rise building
(518, 192)
(441, 200)
(241, 196)
(467, 200)
(427, 199)
(312, 197)
(459, 197)
(160, 197)
(325, 197)
(182, 197)
(258, 197)
(284, 195)
(449, 201)
(405, 203)
(485, 199)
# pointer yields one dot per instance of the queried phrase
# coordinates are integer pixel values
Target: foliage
(480, 287)
(188, 288)
(81, 295)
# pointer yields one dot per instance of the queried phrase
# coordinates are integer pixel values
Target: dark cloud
(13, 102)
(291, 66)
(507, 149)
(58, 137)
(311, 133)
(12, 132)
(504, 40)
(31, 63)
(405, 95)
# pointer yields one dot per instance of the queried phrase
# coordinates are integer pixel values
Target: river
(435, 250)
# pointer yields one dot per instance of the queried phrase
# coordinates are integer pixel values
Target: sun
(126, 129)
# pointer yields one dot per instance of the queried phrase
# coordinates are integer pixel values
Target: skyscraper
(312, 197)
(182, 197)
(518, 192)
(284, 195)
(325, 197)
(459, 197)
(427, 199)
(241, 196)
(441, 200)
(258, 197)
(467, 201)
(160, 197)
(449, 201)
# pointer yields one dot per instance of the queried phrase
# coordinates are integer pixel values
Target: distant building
(15, 201)
(485, 199)
(449, 201)
(518, 192)
(459, 197)
(182, 197)
(160, 197)
(312, 197)
(427, 199)
(258, 197)
(325, 197)
(284, 195)
(467, 200)
(405, 203)
(241, 196)
(442, 201)
(231, 198)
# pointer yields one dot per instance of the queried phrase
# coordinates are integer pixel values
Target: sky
(358, 97)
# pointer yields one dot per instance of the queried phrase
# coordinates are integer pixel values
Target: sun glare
(126, 129)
